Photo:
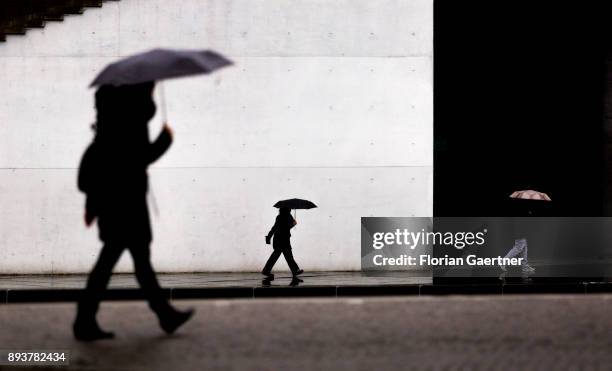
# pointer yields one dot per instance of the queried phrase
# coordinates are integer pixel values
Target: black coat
(113, 174)
(280, 231)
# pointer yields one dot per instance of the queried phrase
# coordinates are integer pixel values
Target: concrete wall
(329, 101)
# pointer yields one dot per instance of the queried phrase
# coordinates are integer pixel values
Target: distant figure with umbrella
(520, 248)
(281, 236)
(113, 175)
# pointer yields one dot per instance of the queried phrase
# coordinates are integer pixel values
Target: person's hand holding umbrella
(169, 130)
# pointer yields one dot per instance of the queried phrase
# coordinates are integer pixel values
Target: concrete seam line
(234, 56)
(238, 167)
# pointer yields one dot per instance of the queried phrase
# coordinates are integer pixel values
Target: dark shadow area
(519, 104)
(295, 281)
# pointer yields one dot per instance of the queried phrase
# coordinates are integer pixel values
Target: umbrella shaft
(162, 103)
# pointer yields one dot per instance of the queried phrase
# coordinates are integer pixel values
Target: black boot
(173, 320)
(88, 330)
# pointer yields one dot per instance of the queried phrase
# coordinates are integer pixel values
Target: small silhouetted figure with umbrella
(113, 175)
(281, 236)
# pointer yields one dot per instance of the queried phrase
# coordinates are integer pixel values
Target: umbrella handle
(162, 103)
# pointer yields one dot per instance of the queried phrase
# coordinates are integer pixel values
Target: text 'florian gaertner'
(428, 260)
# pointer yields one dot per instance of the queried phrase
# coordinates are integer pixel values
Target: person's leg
(288, 253)
(169, 318)
(271, 261)
(526, 269)
(98, 280)
(524, 251)
(519, 248)
(147, 279)
(85, 326)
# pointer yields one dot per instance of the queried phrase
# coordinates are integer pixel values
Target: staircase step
(38, 22)
(92, 3)
(16, 16)
(15, 27)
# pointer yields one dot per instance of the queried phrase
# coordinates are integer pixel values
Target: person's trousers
(519, 249)
(274, 257)
(103, 269)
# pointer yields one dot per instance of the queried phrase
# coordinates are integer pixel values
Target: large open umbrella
(160, 64)
(157, 65)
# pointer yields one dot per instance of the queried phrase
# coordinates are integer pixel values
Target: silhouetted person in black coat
(113, 174)
(281, 243)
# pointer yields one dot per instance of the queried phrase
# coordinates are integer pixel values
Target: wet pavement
(203, 280)
(514, 332)
(66, 288)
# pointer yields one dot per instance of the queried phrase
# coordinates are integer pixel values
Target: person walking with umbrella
(281, 236)
(113, 175)
(520, 248)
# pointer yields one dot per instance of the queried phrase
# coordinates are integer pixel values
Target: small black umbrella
(160, 64)
(295, 203)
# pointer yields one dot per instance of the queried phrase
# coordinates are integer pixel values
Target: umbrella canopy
(160, 64)
(295, 203)
(530, 195)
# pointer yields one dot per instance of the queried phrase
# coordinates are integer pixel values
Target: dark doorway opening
(519, 91)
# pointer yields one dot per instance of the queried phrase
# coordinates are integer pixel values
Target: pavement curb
(70, 295)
